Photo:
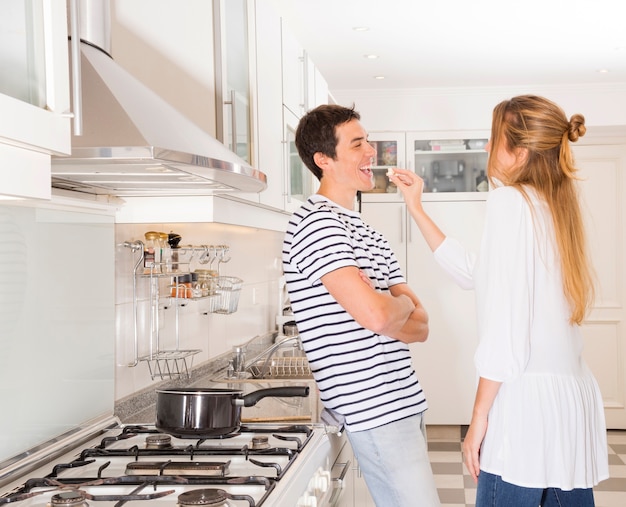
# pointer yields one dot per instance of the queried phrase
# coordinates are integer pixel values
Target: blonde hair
(542, 129)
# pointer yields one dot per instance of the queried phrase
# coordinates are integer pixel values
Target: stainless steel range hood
(134, 143)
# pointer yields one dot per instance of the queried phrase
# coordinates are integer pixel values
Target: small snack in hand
(390, 172)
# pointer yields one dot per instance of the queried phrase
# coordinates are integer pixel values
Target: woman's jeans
(394, 461)
(494, 492)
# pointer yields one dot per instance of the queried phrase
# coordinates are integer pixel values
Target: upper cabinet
(449, 163)
(294, 71)
(34, 94)
(233, 24)
(287, 81)
(390, 150)
(452, 164)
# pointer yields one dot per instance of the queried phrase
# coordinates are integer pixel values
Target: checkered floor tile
(457, 489)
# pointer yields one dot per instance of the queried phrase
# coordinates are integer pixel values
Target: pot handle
(251, 399)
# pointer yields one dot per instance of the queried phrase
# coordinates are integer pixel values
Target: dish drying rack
(223, 299)
(266, 365)
(281, 368)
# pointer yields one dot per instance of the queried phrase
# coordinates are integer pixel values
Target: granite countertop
(140, 407)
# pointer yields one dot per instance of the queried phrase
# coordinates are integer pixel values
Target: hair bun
(576, 127)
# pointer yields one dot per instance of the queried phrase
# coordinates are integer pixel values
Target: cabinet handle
(402, 213)
(77, 94)
(233, 124)
(339, 482)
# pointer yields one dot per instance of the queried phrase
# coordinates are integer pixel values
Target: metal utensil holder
(177, 363)
(227, 290)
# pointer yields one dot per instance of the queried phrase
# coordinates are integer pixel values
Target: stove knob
(321, 481)
(307, 500)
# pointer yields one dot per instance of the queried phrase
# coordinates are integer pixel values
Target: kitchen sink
(282, 358)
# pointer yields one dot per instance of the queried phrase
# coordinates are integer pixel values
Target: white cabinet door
(603, 186)
(233, 24)
(389, 218)
(321, 88)
(269, 104)
(444, 363)
(299, 181)
(34, 94)
(293, 72)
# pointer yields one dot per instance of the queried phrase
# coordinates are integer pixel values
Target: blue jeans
(394, 461)
(494, 492)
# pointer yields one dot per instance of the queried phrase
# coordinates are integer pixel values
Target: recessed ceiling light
(370, 57)
(379, 77)
(360, 28)
(603, 71)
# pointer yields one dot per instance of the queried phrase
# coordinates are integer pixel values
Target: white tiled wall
(255, 258)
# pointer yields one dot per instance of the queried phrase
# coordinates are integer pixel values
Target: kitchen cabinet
(293, 72)
(34, 95)
(390, 152)
(270, 123)
(316, 90)
(299, 181)
(281, 86)
(233, 24)
(354, 490)
(449, 162)
(453, 336)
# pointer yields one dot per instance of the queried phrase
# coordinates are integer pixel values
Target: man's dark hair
(316, 133)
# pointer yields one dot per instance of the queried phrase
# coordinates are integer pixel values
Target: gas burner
(260, 442)
(69, 499)
(159, 441)
(208, 497)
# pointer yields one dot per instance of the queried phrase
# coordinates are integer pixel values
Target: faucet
(270, 351)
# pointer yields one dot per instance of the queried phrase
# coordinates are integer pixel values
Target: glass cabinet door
(450, 165)
(233, 90)
(34, 82)
(22, 50)
(389, 153)
(299, 181)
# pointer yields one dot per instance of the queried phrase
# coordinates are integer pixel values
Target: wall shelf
(223, 298)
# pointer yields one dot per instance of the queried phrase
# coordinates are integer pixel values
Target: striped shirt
(366, 377)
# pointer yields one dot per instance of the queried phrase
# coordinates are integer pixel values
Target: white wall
(470, 109)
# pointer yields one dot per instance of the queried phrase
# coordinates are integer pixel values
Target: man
(356, 314)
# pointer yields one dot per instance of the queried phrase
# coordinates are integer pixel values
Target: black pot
(206, 413)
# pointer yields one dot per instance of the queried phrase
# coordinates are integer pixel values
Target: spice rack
(222, 296)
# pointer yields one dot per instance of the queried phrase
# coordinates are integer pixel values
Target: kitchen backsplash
(255, 258)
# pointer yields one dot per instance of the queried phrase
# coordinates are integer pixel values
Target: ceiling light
(379, 77)
(370, 57)
(360, 28)
(603, 71)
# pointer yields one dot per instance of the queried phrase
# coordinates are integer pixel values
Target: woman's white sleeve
(457, 262)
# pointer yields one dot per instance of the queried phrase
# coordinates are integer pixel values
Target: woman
(537, 434)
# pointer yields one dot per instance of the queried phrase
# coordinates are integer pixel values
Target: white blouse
(546, 426)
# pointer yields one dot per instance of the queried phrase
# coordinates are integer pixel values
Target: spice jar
(181, 286)
(173, 240)
(166, 253)
(196, 289)
(151, 253)
(206, 281)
